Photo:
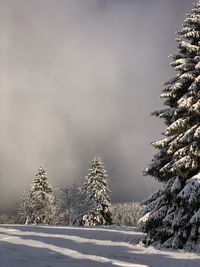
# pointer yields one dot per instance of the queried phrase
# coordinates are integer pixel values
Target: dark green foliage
(172, 214)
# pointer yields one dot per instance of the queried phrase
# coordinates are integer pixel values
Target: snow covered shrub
(10, 217)
(25, 207)
(73, 203)
(173, 211)
(61, 208)
(3, 218)
(125, 213)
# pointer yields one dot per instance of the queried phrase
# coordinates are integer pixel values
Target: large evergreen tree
(97, 191)
(173, 211)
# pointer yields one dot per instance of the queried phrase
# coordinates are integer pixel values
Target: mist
(79, 79)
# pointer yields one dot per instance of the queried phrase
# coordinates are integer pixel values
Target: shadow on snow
(79, 240)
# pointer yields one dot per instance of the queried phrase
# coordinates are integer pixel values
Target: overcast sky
(78, 79)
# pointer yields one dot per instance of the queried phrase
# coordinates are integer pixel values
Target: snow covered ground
(42, 246)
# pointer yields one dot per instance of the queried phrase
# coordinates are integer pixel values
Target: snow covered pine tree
(97, 191)
(43, 201)
(173, 212)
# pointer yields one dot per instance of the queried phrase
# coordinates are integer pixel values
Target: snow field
(44, 246)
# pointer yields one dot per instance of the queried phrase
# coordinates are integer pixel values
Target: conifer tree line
(87, 205)
(172, 214)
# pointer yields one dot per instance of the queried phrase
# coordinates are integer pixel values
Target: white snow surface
(44, 246)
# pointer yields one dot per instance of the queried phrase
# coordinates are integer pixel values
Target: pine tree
(97, 191)
(173, 211)
(43, 201)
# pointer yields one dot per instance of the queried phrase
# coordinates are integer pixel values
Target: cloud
(79, 79)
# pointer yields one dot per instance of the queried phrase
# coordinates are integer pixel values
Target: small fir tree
(97, 191)
(43, 201)
(173, 211)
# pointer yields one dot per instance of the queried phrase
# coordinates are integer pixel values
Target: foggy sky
(78, 79)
